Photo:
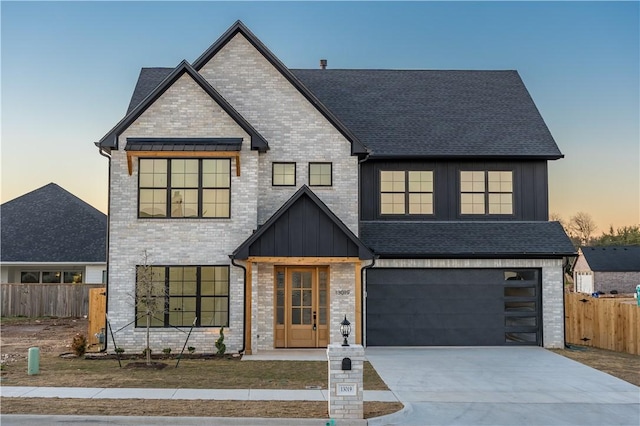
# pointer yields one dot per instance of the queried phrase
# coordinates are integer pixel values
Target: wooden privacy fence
(42, 300)
(606, 323)
(97, 315)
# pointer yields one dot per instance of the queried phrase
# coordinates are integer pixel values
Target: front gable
(303, 227)
(237, 41)
(181, 90)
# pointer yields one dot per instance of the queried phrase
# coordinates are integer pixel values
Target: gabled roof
(466, 239)
(612, 258)
(303, 227)
(50, 224)
(110, 140)
(431, 114)
(239, 28)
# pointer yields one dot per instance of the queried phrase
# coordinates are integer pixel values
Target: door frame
(282, 332)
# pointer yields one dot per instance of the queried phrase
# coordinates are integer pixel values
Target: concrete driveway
(501, 386)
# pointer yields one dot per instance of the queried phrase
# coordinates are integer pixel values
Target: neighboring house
(275, 202)
(51, 236)
(603, 269)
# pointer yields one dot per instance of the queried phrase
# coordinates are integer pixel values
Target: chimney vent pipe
(323, 64)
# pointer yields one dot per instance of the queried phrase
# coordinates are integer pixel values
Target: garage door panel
(424, 307)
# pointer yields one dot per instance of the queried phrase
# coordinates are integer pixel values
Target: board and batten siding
(530, 188)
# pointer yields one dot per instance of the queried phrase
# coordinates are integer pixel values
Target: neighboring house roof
(303, 227)
(612, 258)
(50, 224)
(110, 140)
(418, 113)
(466, 239)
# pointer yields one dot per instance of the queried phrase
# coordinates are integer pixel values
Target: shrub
(166, 351)
(79, 344)
(220, 346)
(119, 350)
(191, 349)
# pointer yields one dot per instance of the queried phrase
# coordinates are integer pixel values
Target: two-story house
(275, 202)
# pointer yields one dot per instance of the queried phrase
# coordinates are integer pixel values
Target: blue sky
(68, 71)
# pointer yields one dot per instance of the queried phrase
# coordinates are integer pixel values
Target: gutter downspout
(106, 292)
(244, 303)
(363, 296)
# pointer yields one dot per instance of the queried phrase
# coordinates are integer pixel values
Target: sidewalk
(208, 394)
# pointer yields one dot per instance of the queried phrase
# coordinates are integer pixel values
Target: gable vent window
(486, 192)
(184, 188)
(406, 192)
(284, 174)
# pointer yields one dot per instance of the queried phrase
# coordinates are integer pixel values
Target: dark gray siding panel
(442, 307)
(530, 188)
(304, 230)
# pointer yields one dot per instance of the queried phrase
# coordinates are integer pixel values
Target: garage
(453, 307)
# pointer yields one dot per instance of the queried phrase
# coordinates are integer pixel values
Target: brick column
(345, 386)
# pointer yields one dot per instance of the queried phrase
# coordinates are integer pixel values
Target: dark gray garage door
(453, 307)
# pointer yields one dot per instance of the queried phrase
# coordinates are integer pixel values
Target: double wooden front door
(301, 307)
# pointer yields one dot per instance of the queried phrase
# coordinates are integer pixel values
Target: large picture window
(486, 192)
(406, 192)
(185, 293)
(184, 188)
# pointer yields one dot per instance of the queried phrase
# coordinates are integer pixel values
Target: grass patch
(212, 373)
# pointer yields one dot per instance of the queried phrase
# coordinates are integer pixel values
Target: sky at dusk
(68, 70)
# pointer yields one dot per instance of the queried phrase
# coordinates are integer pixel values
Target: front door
(301, 307)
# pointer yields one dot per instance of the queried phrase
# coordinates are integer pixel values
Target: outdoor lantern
(345, 329)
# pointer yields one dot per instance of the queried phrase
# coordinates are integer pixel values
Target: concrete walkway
(206, 394)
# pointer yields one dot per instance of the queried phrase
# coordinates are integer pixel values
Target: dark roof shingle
(50, 224)
(466, 239)
(613, 258)
(423, 113)
(428, 113)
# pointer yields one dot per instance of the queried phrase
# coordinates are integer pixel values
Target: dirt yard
(54, 335)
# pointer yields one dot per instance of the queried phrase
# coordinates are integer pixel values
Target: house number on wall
(343, 292)
(346, 389)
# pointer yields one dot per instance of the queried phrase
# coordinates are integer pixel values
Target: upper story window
(486, 192)
(406, 192)
(320, 174)
(182, 294)
(284, 174)
(185, 188)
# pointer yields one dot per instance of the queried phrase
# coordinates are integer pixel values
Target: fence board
(97, 314)
(606, 323)
(42, 300)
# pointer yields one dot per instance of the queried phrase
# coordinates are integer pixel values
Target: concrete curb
(397, 418)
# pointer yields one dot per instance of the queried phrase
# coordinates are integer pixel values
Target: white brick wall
(552, 286)
(295, 131)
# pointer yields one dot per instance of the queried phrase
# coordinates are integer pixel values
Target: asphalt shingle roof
(50, 224)
(465, 239)
(423, 113)
(435, 113)
(613, 258)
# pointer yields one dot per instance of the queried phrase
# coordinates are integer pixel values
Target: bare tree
(582, 226)
(149, 297)
(555, 217)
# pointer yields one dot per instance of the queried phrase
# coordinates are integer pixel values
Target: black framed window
(320, 174)
(283, 174)
(52, 277)
(184, 294)
(486, 192)
(406, 192)
(184, 188)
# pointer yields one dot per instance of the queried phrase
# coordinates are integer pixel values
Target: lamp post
(345, 329)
